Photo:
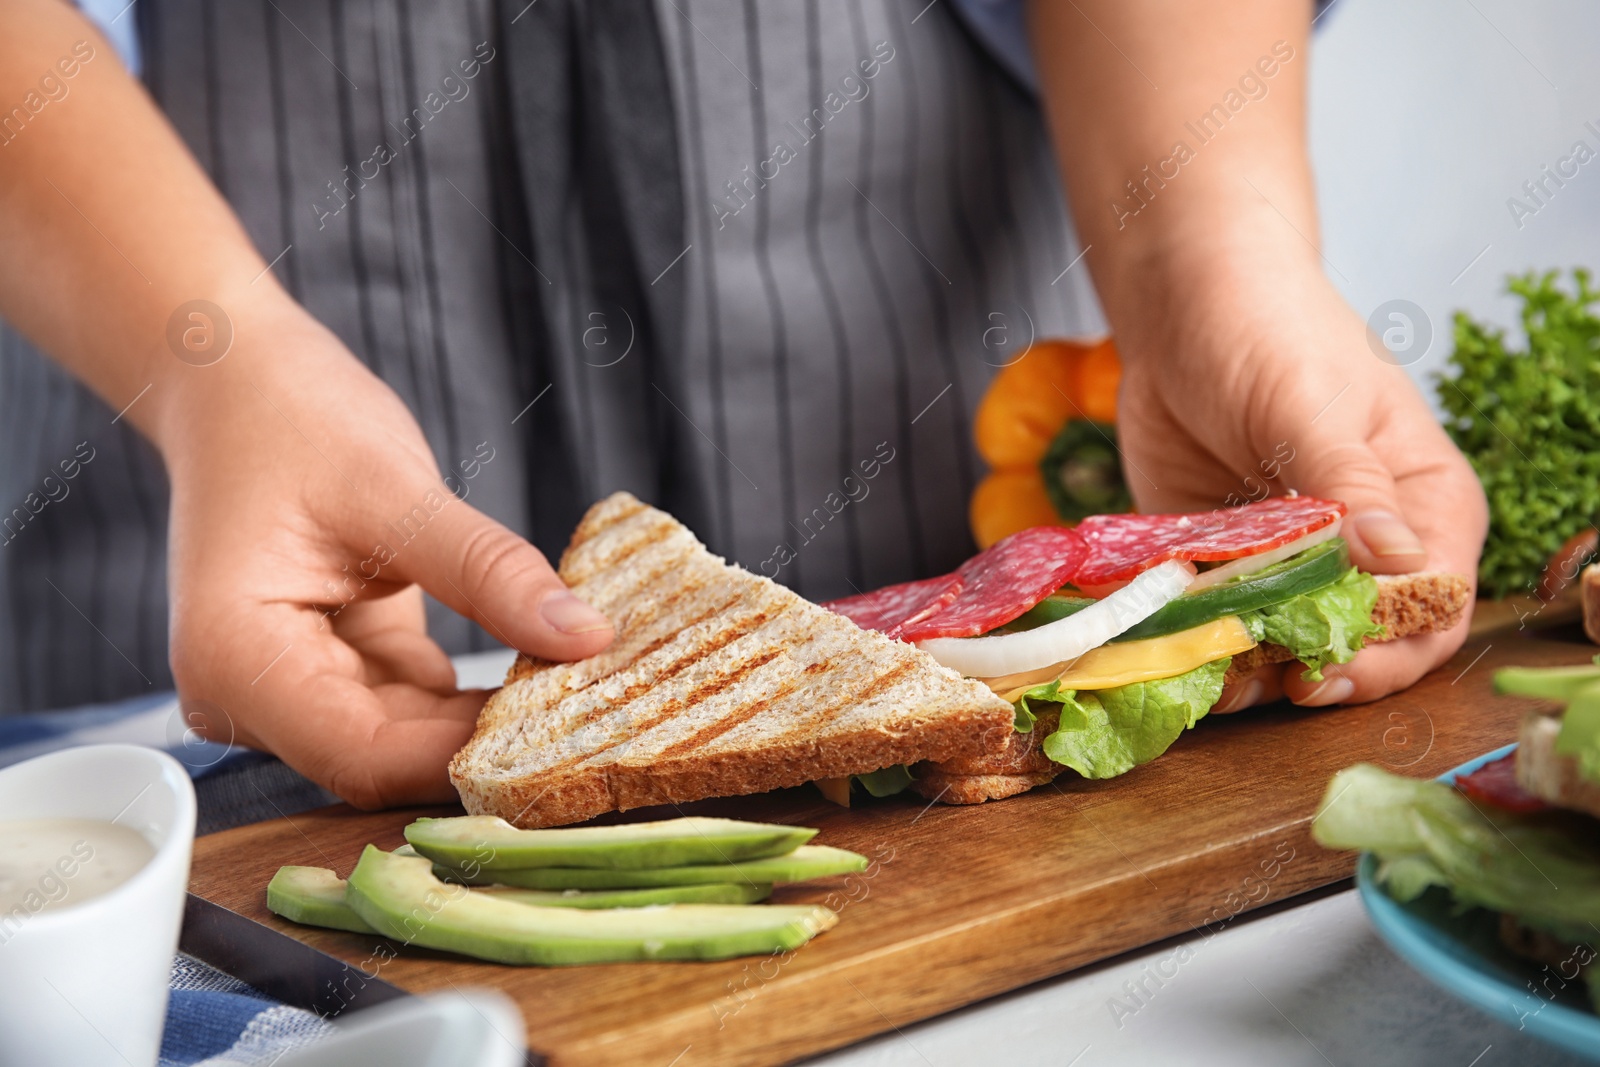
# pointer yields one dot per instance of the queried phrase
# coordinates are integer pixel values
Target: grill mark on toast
(628, 511)
(829, 712)
(878, 685)
(690, 656)
(712, 731)
(669, 567)
(527, 666)
(668, 603)
(569, 727)
(524, 667)
(651, 537)
(623, 513)
(718, 641)
(709, 688)
(670, 574)
(592, 526)
(535, 665)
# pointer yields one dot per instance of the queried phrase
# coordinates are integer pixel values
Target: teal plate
(1463, 954)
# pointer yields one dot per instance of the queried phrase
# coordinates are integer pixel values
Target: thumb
(1346, 468)
(480, 569)
(1340, 465)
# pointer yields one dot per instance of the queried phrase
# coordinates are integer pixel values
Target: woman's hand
(1180, 129)
(1267, 382)
(308, 515)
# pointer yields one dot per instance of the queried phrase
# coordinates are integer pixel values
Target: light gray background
(1426, 115)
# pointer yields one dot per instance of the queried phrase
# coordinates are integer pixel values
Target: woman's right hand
(308, 515)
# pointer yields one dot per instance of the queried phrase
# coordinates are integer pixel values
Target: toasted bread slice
(1550, 775)
(1407, 604)
(947, 788)
(719, 683)
(1023, 754)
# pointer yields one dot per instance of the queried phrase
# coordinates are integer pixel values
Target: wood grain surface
(962, 902)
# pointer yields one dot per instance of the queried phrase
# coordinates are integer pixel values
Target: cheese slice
(835, 789)
(1127, 662)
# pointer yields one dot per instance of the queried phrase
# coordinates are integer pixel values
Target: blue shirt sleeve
(1000, 27)
(118, 21)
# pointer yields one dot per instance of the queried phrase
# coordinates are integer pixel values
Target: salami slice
(1123, 546)
(988, 591)
(886, 608)
(1002, 582)
(1495, 784)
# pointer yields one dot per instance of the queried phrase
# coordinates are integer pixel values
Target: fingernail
(570, 615)
(1332, 691)
(1387, 535)
(1244, 697)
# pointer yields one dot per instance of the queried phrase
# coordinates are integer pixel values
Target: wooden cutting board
(961, 903)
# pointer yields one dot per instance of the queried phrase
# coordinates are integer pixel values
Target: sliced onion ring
(1235, 568)
(1064, 639)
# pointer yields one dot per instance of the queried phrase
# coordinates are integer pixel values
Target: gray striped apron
(862, 219)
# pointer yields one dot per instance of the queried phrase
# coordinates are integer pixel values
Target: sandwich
(719, 683)
(1519, 836)
(1089, 648)
(1112, 638)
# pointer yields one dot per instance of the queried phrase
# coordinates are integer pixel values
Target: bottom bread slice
(947, 788)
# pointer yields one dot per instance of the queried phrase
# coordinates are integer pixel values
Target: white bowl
(87, 983)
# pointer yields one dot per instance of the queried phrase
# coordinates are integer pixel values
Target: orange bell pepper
(1025, 410)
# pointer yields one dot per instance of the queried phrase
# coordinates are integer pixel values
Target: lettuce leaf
(1112, 731)
(1580, 731)
(1025, 717)
(1368, 809)
(1579, 689)
(1544, 869)
(1409, 876)
(886, 782)
(1327, 625)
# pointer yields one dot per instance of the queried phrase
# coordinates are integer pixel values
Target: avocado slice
(489, 842)
(804, 863)
(400, 898)
(644, 897)
(314, 896)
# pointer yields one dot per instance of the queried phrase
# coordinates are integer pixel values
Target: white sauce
(52, 863)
